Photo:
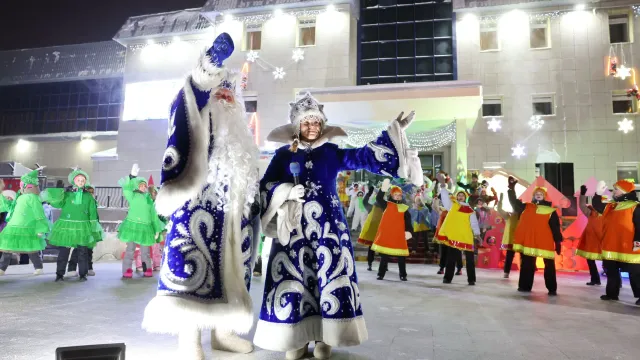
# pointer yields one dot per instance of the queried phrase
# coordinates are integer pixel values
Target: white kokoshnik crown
(307, 106)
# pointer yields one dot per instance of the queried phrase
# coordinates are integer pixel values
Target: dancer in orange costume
(590, 246)
(394, 230)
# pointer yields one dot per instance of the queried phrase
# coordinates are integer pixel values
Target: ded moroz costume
(209, 189)
(311, 288)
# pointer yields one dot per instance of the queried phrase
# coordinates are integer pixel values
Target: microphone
(294, 168)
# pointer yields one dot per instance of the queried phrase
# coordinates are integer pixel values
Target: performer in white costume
(358, 210)
(209, 190)
(311, 289)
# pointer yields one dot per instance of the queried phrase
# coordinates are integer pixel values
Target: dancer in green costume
(78, 226)
(26, 225)
(97, 237)
(141, 226)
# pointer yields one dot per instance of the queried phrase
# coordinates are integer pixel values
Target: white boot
(38, 272)
(321, 350)
(297, 354)
(1, 272)
(91, 273)
(72, 273)
(228, 341)
(190, 345)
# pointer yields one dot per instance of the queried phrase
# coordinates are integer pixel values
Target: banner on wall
(149, 100)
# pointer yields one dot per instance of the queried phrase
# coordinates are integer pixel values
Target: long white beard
(234, 160)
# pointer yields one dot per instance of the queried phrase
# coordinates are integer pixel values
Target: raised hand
(583, 190)
(386, 184)
(135, 169)
(404, 123)
(512, 182)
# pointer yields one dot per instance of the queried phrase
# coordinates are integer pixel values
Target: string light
(534, 17)
(423, 141)
(623, 72)
(261, 18)
(279, 73)
(625, 125)
(636, 10)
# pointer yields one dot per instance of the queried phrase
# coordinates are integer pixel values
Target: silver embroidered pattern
(379, 151)
(312, 211)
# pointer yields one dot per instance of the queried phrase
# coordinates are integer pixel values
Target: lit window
(623, 104)
(306, 32)
(619, 28)
(253, 37)
(539, 34)
(491, 106)
(543, 104)
(489, 37)
(628, 171)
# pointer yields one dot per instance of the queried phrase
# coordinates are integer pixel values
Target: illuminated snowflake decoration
(298, 54)
(623, 72)
(536, 122)
(625, 125)
(279, 73)
(252, 56)
(518, 151)
(494, 124)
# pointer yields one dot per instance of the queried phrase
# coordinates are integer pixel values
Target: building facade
(549, 65)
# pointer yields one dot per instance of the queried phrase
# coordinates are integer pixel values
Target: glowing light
(152, 53)
(86, 136)
(141, 99)
(279, 73)
(87, 145)
(536, 122)
(623, 72)
(244, 76)
(277, 12)
(252, 56)
(298, 54)
(625, 125)
(580, 7)
(423, 141)
(518, 151)
(228, 18)
(513, 25)
(469, 17)
(254, 124)
(494, 124)
(331, 7)
(150, 42)
(23, 145)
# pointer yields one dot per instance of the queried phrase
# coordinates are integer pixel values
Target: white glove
(296, 193)
(404, 123)
(601, 187)
(386, 184)
(407, 235)
(135, 169)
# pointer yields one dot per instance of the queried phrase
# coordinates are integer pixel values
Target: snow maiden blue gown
(210, 191)
(311, 287)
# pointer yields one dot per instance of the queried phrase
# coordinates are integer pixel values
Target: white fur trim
(175, 193)
(283, 134)
(400, 142)
(268, 219)
(333, 332)
(205, 75)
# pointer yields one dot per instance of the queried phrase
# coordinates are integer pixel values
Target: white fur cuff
(407, 235)
(400, 142)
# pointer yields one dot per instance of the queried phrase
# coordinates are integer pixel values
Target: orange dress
(590, 246)
(439, 239)
(390, 239)
(533, 235)
(618, 233)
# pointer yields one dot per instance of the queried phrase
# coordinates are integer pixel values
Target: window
(543, 104)
(306, 32)
(619, 28)
(492, 106)
(623, 104)
(539, 34)
(251, 106)
(253, 37)
(489, 37)
(628, 171)
(405, 41)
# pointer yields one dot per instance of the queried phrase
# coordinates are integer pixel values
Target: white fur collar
(283, 134)
(205, 75)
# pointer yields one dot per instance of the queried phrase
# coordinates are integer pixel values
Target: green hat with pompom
(75, 173)
(30, 177)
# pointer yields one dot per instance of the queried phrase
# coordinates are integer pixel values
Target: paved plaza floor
(420, 319)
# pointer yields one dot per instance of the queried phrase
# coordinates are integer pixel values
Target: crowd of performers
(27, 225)
(216, 207)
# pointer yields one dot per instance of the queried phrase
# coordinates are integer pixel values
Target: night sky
(28, 24)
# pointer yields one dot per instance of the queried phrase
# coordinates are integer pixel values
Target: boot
(322, 350)
(38, 272)
(297, 354)
(506, 275)
(228, 341)
(190, 346)
(59, 278)
(128, 274)
(72, 273)
(91, 272)
(1, 272)
(148, 273)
